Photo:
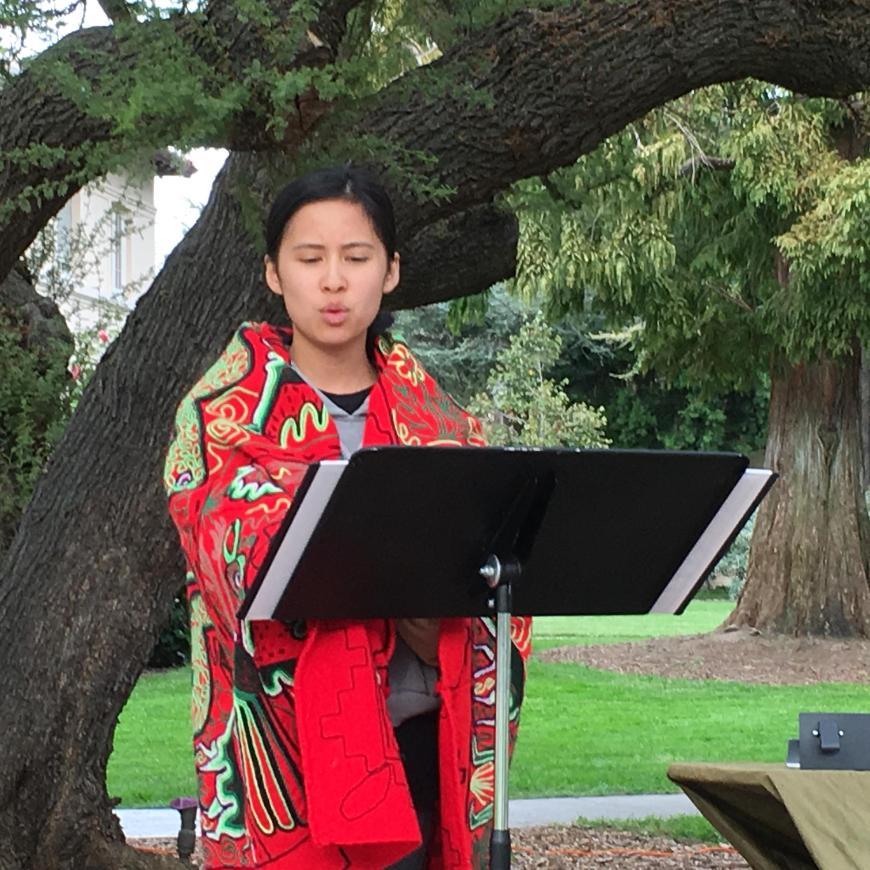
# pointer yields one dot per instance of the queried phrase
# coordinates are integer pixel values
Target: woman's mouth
(334, 315)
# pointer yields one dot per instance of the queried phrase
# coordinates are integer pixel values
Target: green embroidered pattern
(275, 679)
(201, 699)
(226, 809)
(296, 428)
(274, 366)
(481, 786)
(185, 466)
(249, 491)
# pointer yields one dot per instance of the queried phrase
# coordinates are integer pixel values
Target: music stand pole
(499, 577)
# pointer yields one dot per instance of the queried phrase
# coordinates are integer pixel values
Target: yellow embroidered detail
(406, 365)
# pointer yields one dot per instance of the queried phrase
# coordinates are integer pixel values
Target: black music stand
(437, 532)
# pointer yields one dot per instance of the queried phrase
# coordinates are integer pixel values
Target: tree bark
(809, 561)
(553, 84)
(865, 416)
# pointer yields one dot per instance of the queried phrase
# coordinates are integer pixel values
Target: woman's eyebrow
(320, 247)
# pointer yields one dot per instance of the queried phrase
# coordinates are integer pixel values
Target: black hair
(336, 182)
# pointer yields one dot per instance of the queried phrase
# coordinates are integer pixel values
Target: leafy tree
(523, 407)
(36, 393)
(735, 222)
(645, 409)
(94, 564)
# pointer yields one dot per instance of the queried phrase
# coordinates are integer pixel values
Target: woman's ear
(391, 280)
(273, 282)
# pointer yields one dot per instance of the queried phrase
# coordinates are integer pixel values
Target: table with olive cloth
(782, 818)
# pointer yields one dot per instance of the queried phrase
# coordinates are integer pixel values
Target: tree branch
(705, 161)
(557, 82)
(460, 256)
(117, 11)
(39, 118)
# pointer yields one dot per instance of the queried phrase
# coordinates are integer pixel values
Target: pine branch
(39, 117)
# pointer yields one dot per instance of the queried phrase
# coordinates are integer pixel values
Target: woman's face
(332, 271)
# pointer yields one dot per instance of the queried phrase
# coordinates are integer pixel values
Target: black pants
(418, 744)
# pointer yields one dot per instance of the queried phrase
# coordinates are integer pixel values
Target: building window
(62, 240)
(118, 252)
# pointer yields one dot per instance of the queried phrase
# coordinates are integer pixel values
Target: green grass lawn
(583, 731)
(153, 758)
(592, 732)
(699, 618)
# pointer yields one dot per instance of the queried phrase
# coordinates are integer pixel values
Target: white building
(103, 253)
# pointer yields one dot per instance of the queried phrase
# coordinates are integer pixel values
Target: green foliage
(460, 350)
(22, 21)
(645, 412)
(728, 221)
(734, 562)
(165, 94)
(36, 399)
(523, 407)
(458, 343)
(173, 645)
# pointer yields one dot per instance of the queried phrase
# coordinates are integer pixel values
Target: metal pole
(500, 844)
(499, 578)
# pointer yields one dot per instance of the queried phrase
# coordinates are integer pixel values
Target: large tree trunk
(809, 563)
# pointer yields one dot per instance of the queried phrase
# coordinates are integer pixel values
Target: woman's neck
(337, 370)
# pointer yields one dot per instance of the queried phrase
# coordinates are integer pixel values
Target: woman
(328, 744)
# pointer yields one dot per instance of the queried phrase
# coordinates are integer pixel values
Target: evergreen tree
(36, 393)
(459, 343)
(735, 223)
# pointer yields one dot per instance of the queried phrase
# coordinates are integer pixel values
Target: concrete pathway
(522, 812)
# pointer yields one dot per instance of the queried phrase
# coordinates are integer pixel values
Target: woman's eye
(359, 259)
(309, 259)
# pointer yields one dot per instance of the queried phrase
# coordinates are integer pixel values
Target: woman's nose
(333, 276)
